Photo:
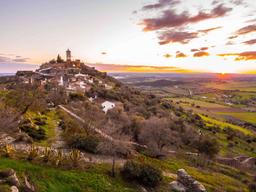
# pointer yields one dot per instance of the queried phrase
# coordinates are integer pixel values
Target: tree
(208, 146)
(59, 59)
(9, 120)
(156, 134)
(114, 147)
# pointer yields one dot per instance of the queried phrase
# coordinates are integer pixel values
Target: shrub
(252, 187)
(76, 96)
(208, 146)
(37, 134)
(40, 121)
(86, 143)
(141, 173)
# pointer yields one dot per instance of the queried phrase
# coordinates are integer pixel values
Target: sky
(131, 35)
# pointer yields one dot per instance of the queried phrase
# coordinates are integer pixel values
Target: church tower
(68, 55)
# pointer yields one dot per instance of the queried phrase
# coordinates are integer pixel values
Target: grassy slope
(213, 176)
(96, 179)
(223, 125)
(246, 116)
(49, 179)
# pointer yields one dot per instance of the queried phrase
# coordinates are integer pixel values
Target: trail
(59, 142)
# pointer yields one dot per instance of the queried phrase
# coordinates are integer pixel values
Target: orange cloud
(248, 55)
(246, 29)
(250, 42)
(201, 54)
(138, 68)
(209, 30)
(167, 55)
(180, 55)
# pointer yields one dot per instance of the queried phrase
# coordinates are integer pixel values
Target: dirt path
(59, 142)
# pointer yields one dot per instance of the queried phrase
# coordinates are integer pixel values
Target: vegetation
(142, 173)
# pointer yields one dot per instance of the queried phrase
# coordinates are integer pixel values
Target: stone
(186, 183)
(14, 189)
(13, 180)
(6, 173)
(177, 186)
(28, 187)
(198, 187)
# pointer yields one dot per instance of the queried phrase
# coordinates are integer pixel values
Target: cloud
(250, 42)
(161, 4)
(246, 29)
(194, 50)
(137, 68)
(204, 48)
(201, 54)
(12, 58)
(248, 55)
(209, 30)
(233, 37)
(176, 37)
(200, 49)
(180, 55)
(238, 2)
(170, 18)
(21, 60)
(4, 59)
(251, 20)
(167, 55)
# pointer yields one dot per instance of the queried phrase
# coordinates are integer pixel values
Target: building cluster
(67, 74)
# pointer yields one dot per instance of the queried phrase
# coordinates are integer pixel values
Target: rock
(198, 187)
(28, 187)
(13, 180)
(6, 173)
(186, 183)
(177, 186)
(14, 189)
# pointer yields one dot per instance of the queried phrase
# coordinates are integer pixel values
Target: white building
(107, 105)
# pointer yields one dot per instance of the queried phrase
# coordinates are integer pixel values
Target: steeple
(68, 55)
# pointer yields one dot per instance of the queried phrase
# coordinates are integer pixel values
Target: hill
(70, 120)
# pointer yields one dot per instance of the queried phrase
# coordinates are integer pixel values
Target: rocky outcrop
(186, 183)
(9, 176)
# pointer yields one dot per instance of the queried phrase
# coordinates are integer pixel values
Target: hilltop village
(72, 75)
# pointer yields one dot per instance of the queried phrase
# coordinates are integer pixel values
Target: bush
(86, 143)
(40, 121)
(252, 187)
(37, 134)
(76, 96)
(142, 173)
(208, 146)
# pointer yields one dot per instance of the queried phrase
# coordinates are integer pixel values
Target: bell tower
(68, 55)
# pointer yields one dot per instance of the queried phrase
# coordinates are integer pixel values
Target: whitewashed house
(107, 105)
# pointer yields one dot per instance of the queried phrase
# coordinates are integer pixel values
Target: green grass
(214, 177)
(223, 125)
(49, 179)
(244, 116)
(203, 104)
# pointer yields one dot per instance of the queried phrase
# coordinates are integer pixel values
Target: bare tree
(156, 134)
(114, 148)
(9, 120)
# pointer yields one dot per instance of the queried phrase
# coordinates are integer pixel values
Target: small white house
(107, 105)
